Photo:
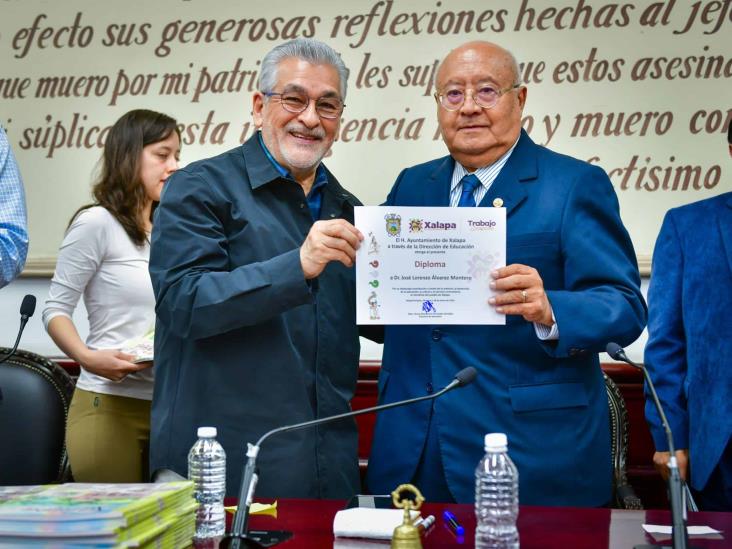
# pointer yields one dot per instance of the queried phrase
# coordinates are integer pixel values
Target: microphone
(680, 537)
(27, 308)
(238, 534)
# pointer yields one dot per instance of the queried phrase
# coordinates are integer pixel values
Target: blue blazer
(549, 397)
(690, 332)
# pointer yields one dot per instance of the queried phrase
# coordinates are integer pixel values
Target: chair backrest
(623, 494)
(35, 394)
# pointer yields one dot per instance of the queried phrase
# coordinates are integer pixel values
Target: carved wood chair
(624, 496)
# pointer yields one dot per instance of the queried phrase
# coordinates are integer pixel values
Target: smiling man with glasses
(571, 285)
(251, 266)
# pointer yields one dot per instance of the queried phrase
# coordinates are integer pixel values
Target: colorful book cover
(101, 511)
(142, 348)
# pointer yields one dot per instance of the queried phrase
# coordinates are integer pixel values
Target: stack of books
(101, 515)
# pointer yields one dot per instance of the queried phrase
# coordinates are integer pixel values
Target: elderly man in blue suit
(690, 345)
(570, 286)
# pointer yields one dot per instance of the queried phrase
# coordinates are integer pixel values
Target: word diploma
(419, 265)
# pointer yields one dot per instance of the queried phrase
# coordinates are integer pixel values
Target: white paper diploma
(428, 265)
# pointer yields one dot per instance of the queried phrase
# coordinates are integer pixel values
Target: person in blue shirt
(13, 217)
(689, 345)
(251, 267)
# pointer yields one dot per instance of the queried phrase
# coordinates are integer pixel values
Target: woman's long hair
(119, 187)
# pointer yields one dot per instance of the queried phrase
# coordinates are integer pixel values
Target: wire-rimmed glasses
(485, 97)
(296, 102)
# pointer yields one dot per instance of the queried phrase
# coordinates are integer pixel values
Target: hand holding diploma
(522, 293)
(331, 240)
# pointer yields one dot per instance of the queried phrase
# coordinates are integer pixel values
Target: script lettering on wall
(639, 88)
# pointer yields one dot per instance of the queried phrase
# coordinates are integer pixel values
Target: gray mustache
(318, 133)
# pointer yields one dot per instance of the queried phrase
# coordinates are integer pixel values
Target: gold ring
(524, 295)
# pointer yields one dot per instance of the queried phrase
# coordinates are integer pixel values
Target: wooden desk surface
(311, 521)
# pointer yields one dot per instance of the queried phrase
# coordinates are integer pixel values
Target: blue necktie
(469, 183)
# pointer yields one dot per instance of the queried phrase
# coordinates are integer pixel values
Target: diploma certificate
(419, 265)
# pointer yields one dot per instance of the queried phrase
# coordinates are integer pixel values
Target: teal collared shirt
(315, 196)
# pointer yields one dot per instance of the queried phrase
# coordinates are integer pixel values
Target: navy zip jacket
(243, 342)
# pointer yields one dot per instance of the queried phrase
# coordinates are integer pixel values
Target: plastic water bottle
(207, 470)
(496, 497)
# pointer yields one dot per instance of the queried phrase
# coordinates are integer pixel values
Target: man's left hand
(522, 294)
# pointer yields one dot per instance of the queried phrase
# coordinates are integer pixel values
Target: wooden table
(311, 521)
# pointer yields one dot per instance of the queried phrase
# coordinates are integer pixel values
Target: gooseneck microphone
(27, 308)
(680, 537)
(238, 535)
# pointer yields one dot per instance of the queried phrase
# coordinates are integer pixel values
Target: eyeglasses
(485, 97)
(296, 102)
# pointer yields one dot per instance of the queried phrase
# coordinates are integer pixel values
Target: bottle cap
(207, 432)
(496, 442)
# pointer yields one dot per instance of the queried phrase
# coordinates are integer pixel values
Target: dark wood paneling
(70, 366)
(641, 474)
(365, 397)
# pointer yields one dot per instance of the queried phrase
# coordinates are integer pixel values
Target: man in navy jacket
(689, 350)
(250, 262)
(571, 285)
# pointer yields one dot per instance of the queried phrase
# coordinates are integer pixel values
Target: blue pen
(453, 523)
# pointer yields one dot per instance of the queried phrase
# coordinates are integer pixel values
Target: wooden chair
(624, 496)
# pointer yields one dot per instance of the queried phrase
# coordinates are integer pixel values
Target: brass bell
(406, 536)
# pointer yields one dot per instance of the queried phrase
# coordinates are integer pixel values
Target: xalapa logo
(419, 225)
(415, 225)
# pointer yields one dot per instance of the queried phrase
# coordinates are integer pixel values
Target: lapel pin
(498, 202)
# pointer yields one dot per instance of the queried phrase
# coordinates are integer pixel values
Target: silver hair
(514, 68)
(307, 49)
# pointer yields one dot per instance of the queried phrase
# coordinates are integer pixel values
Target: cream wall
(580, 58)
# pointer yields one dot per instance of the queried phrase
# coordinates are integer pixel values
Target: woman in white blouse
(104, 257)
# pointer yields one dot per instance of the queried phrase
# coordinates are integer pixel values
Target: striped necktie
(469, 183)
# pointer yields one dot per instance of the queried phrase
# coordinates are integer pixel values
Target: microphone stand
(238, 536)
(679, 534)
(17, 340)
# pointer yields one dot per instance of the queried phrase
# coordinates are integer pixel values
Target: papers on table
(361, 522)
(654, 529)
